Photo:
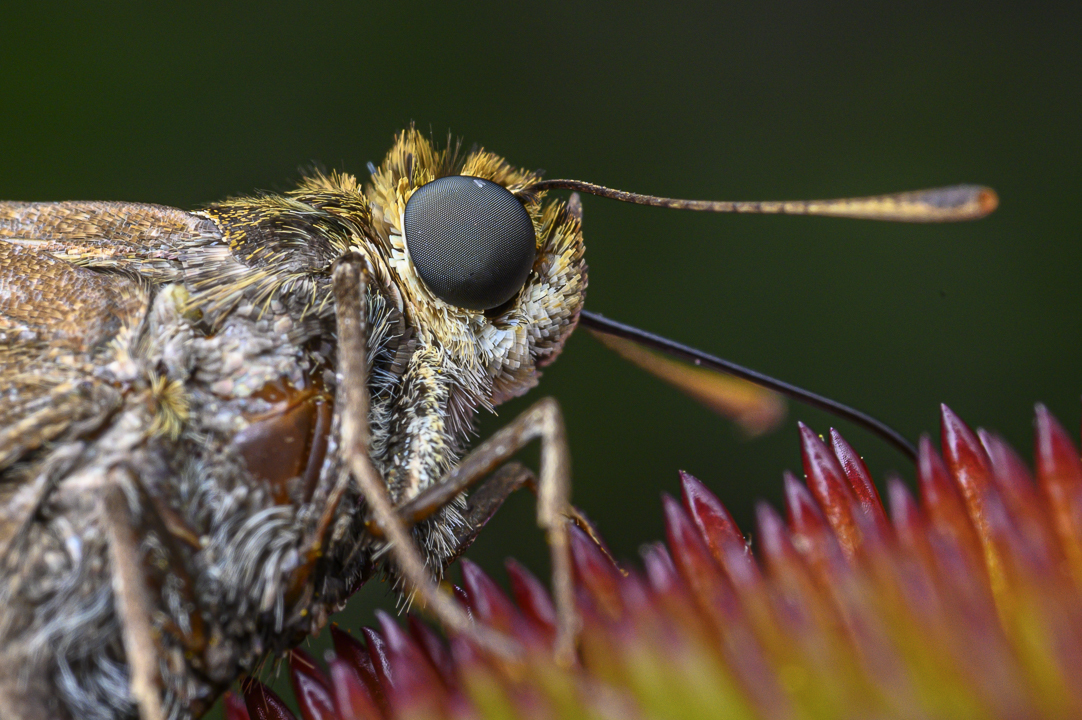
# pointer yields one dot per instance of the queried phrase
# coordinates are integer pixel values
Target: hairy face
(503, 346)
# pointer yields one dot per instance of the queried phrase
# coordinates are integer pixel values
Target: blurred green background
(748, 100)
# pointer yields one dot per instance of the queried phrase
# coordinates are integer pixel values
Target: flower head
(966, 603)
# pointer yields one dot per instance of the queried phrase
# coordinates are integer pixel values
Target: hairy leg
(542, 421)
(132, 604)
(350, 279)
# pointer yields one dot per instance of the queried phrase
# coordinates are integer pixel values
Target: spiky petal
(966, 604)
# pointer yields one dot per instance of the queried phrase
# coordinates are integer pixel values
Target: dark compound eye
(471, 241)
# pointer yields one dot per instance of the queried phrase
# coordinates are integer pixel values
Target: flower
(966, 603)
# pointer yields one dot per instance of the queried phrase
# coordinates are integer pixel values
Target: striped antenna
(945, 204)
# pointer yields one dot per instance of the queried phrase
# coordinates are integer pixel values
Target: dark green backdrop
(732, 101)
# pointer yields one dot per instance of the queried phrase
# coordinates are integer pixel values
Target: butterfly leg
(350, 279)
(483, 503)
(132, 602)
(542, 421)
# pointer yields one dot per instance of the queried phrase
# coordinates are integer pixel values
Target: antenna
(945, 204)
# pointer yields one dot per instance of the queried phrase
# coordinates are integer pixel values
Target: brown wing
(146, 239)
(76, 280)
(58, 322)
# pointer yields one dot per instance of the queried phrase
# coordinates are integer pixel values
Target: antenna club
(987, 200)
(942, 204)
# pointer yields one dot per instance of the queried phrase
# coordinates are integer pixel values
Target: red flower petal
(661, 570)
(263, 703)
(828, 484)
(532, 598)
(354, 653)
(351, 698)
(811, 533)
(596, 573)
(693, 561)
(943, 504)
(971, 468)
(860, 480)
(417, 687)
(310, 688)
(381, 661)
(718, 531)
(1059, 475)
(905, 515)
(234, 708)
(966, 459)
(490, 605)
(434, 649)
(715, 524)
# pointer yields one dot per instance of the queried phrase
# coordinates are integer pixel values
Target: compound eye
(471, 240)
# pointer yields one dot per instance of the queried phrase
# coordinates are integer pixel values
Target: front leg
(541, 421)
(350, 280)
(132, 601)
